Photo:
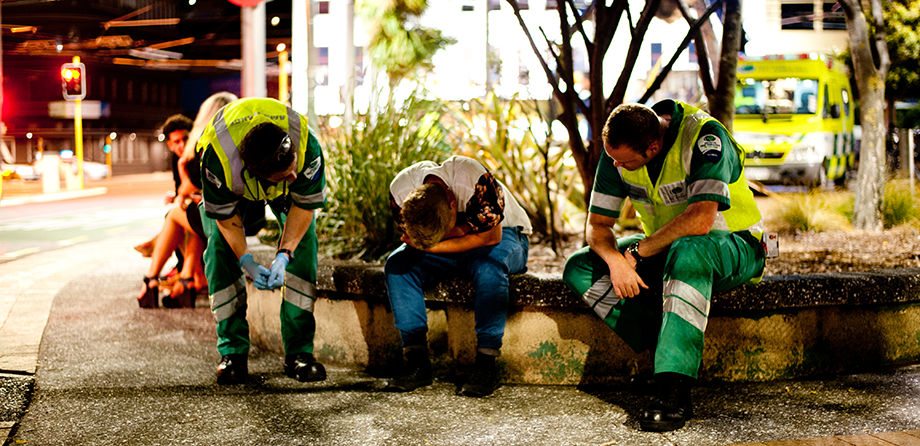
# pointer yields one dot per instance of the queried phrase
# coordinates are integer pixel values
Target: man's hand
(258, 273)
(170, 197)
(276, 276)
(626, 282)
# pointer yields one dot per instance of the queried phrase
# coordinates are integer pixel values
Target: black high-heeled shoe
(151, 295)
(185, 299)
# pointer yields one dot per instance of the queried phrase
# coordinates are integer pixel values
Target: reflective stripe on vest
(660, 203)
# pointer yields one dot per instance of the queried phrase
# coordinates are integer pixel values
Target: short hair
(262, 151)
(426, 215)
(633, 125)
(176, 122)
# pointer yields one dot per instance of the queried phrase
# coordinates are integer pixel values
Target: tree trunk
(870, 80)
(722, 101)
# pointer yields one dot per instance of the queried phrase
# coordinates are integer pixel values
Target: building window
(322, 63)
(656, 53)
(834, 17)
(693, 56)
(466, 8)
(798, 16)
(323, 7)
(360, 69)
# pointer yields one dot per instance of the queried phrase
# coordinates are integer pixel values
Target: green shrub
(513, 140)
(812, 211)
(361, 163)
(901, 205)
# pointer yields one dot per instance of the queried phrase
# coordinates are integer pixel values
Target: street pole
(348, 89)
(282, 74)
(78, 133)
(252, 23)
(302, 83)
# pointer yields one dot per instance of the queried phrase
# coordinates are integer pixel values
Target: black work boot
(484, 379)
(304, 368)
(233, 369)
(415, 373)
(672, 407)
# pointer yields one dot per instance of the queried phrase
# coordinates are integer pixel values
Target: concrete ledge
(788, 326)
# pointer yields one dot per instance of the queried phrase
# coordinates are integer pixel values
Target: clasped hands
(264, 278)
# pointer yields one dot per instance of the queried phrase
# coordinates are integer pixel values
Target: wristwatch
(634, 250)
(287, 252)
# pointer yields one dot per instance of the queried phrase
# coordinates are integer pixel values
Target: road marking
(20, 253)
(73, 241)
(117, 230)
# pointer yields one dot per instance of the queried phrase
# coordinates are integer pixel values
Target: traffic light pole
(78, 132)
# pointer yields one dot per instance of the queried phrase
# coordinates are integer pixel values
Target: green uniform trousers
(227, 291)
(668, 318)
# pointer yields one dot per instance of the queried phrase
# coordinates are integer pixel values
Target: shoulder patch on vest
(710, 146)
(313, 169)
(213, 178)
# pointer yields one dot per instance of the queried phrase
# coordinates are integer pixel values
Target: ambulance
(794, 118)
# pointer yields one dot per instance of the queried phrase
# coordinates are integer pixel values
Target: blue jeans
(409, 271)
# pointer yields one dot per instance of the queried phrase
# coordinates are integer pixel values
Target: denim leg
(488, 268)
(408, 272)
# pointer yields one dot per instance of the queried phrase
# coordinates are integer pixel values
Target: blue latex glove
(276, 278)
(258, 272)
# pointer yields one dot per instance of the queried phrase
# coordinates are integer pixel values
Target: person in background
(176, 130)
(456, 219)
(182, 229)
(684, 174)
(254, 151)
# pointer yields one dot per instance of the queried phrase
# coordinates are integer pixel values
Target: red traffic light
(73, 82)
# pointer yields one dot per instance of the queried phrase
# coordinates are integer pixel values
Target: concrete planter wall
(788, 326)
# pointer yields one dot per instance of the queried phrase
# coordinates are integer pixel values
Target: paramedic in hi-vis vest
(684, 174)
(254, 151)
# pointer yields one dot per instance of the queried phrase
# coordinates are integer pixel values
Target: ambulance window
(846, 102)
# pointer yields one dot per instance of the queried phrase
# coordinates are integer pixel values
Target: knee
(687, 256)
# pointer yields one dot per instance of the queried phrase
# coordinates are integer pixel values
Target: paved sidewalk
(109, 372)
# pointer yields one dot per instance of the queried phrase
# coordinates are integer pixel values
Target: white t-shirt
(461, 174)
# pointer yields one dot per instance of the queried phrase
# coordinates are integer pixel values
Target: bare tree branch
(578, 20)
(619, 90)
(550, 76)
(702, 57)
(683, 44)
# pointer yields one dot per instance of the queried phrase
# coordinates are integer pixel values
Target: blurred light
(403, 122)
(29, 135)
(192, 2)
(360, 126)
(276, 20)
(113, 135)
(335, 121)
(281, 47)
(60, 47)
(133, 136)
(67, 154)
(161, 137)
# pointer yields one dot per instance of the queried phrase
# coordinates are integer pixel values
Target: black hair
(263, 152)
(177, 122)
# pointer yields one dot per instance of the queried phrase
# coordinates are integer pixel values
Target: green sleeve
(714, 165)
(308, 191)
(609, 191)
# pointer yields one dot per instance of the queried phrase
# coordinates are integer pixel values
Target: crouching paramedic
(254, 151)
(702, 230)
